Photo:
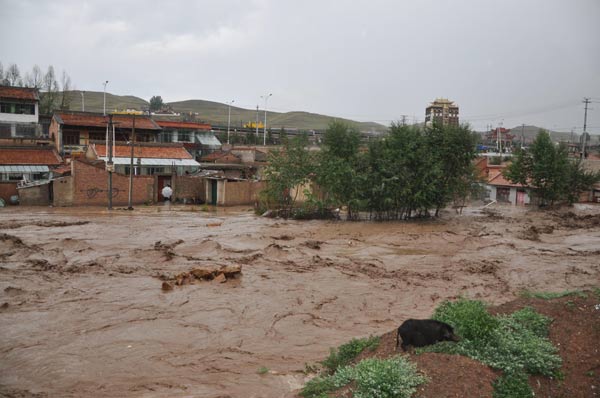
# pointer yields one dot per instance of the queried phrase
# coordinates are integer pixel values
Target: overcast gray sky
(510, 61)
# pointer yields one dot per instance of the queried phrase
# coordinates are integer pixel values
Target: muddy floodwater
(83, 312)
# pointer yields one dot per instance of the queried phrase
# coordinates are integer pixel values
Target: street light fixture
(266, 97)
(104, 108)
(229, 118)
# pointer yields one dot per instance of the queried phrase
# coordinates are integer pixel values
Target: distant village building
(72, 132)
(22, 164)
(500, 139)
(19, 112)
(442, 111)
(197, 138)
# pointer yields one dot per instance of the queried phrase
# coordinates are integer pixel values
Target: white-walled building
(19, 112)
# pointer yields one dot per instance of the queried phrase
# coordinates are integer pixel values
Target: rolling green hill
(530, 132)
(215, 112)
(94, 101)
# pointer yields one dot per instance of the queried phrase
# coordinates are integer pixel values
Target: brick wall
(189, 188)
(88, 186)
(53, 132)
(7, 189)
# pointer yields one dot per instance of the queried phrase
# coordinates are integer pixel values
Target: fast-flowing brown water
(83, 314)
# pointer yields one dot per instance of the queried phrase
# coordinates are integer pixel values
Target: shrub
(374, 378)
(346, 353)
(512, 385)
(515, 343)
(533, 321)
(386, 378)
(469, 318)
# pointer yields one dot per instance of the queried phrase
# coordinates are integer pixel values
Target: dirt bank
(83, 312)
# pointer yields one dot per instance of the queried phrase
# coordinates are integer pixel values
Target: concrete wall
(62, 189)
(247, 155)
(232, 193)
(88, 186)
(8, 189)
(37, 195)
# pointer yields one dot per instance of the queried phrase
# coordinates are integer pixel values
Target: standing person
(167, 192)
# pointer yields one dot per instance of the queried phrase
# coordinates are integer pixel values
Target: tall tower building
(442, 111)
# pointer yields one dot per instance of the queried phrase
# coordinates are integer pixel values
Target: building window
(97, 136)
(155, 170)
(5, 130)
(184, 136)
(166, 136)
(21, 109)
(71, 138)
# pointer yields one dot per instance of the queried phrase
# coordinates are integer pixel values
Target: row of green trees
(550, 174)
(413, 171)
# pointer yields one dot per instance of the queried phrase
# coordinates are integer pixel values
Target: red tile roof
(164, 151)
(29, 156)
(89, 119)
(182, 125)
(500, 180)
(19, 93)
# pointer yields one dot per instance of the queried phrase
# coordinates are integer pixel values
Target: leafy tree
(453, 149)
(156, 103)
(338, 171)
(288, 168)
(547, 170)
(283, 138)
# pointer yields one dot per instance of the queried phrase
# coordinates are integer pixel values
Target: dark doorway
(213, 192)
(162, 182)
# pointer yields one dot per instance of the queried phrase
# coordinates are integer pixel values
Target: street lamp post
(266, 97)
(104, 108)
(229, 118)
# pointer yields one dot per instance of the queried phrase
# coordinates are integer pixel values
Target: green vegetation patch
(512, 385)
(346, 353)
(553, 295)
(516, 344)
(372, 378)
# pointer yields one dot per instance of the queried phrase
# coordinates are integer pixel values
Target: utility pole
(229, 118)
(104, 108)
(109, 164)
(130, 201)
(586, 101)
(266, 97)
(522, 135)
(83, 101)
(257, 123)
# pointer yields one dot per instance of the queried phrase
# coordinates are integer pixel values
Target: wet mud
(84, 309)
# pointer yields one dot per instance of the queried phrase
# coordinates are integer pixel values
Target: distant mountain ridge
(216, 113)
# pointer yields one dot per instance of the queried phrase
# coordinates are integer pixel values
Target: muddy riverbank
(83, 312)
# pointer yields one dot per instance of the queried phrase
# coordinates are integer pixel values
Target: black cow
(422, 332)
